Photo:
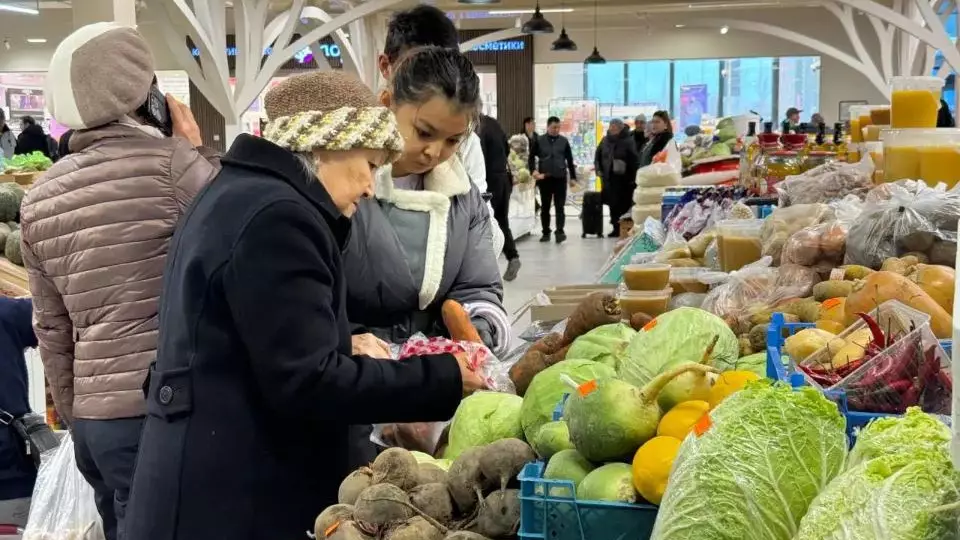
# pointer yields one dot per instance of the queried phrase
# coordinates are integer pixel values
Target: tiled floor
(545, 264)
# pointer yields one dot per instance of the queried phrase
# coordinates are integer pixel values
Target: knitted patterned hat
(331, 111)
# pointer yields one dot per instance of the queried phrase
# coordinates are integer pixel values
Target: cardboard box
(564, 299)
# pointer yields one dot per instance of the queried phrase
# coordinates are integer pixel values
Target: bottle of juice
(748, 153)
(820, 141)
(839, 144)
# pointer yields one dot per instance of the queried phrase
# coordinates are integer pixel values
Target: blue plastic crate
(550, 510)
(777, 371)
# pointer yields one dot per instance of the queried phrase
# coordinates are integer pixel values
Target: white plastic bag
(63, 507)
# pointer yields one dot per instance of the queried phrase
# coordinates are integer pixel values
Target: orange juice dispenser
(914, 101)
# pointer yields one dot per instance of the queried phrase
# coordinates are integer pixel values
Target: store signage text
(304, 56)
(500, 46)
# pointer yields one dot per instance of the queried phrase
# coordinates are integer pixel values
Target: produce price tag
(587, 388)
(650, 325)
(831, 303)
(703, 425)
(331, 529)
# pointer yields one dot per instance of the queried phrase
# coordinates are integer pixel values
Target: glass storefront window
(605, 82)
(799, 78)
(648, 83)
(696, 91)
(748, 86)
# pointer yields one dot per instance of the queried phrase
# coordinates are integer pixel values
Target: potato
(944, 253)
(916, 241)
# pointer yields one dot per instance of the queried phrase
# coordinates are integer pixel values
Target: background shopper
(640, 131)
(255, 387)
(496, 148)
(8, 141)
(551, 158)
(661, 133)
(32, 138)
(95, 231)
(18, 473)
(617, 161)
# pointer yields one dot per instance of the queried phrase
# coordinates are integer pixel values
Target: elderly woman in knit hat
(255, 387)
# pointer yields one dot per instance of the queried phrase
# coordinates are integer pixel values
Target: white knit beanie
(97, 75)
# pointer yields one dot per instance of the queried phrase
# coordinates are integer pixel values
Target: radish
(504, 459)
(433, 500)
(415, 528)
(353, 485)
(396, 466)
(609, 418)
(499, 514)
(337, 513)
(466, 482)
(381, 505)
(692, 385)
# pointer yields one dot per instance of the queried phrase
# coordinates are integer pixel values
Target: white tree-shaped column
(204, 22)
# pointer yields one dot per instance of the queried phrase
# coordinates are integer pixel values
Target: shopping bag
(63, 507)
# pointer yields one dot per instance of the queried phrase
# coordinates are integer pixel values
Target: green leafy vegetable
(900, 496)
(756, 363)
(913, 432)
(483, 418)
(752, 474)
(678, 337)
(548, 387)
(25, 163)
(606, 344)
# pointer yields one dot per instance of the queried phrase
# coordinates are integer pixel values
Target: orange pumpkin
(881, 286)
(937, 281)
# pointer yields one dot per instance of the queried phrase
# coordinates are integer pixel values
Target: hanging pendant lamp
(478, 2)
(595, 57)
(563, 43)
(537, 24)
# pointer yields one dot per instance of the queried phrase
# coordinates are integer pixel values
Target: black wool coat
(251, 400)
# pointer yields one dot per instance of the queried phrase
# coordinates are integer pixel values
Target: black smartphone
(156, 112)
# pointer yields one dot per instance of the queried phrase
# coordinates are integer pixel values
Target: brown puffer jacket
(95, 230)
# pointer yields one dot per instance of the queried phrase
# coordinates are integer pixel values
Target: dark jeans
(553, 190)
(106, 453)
(617, 210)
(501, 188)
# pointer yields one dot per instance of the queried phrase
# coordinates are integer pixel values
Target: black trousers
(617, 209)
(501, 188)
(552, 190)
(106, 452)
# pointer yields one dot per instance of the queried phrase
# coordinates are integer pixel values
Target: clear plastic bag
(737, 294)
(909, 368)
(823, 246)
(908, 219)
(63, 506)
(784, 222)
(828, 182)
(425, 436)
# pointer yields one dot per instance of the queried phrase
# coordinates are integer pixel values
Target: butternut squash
(881, 286)
(937, 281)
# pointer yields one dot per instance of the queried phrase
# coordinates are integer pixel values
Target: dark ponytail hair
(427, 72)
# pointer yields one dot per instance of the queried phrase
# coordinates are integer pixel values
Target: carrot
(595, 310)
(458, 324)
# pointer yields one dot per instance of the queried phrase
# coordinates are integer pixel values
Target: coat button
(166, 395)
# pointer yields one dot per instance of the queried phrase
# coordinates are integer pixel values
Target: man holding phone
(96, 229)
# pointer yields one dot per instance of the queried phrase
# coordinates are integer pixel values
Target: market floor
(546, 264)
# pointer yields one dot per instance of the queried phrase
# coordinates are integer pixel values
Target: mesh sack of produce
(822, 246)
(827, 182)
(63, 506)
(784, 222)
(752, 466)
(899, 485)
(908, 218)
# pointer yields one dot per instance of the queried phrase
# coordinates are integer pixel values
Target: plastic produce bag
(63, 507)
(737, 294)
(823, 246)
(828, 182)
(784, 222)
(425, 436)
(913, 219)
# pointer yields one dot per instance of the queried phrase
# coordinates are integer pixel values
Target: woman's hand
(184, 124)
(471, 381)
(372, 346)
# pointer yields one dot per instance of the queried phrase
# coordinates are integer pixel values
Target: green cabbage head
(483, 418)
(752, 474)
(548, 387)
(605, 344)
(897, 496)
(680, 336)
(913, 432)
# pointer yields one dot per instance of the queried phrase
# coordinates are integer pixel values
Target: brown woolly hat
(332, 111)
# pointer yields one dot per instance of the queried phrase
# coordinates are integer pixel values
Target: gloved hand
(485, 329)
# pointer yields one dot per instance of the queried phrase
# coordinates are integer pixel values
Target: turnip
(499, 514)
(353, 485)
(690, 386)
(346, 530)
(382, 504)
(610, 419)
(428, 473)
(337, 513)
(465, 481)
(433, 500)
(415, 528)
(465, 535)
(503, 460)
(396, 466)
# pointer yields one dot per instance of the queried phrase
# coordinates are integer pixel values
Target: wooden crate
(13, 279)
(24, 179)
